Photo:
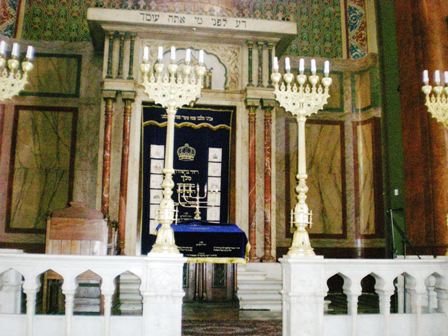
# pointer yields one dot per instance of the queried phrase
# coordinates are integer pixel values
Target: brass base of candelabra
(165, 241)
(301, 245)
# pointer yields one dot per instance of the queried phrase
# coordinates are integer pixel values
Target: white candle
(425, 77)
(287, 65)
(445, 77)
(160, 53)
(15, 50)
(201, 56)
(2, 48)
(187, 56)
(30, 52)
(313, 66)
(437, 77)
(173, 53)
(326, 68)
(145, 54)
(301, 66)
(275, 64)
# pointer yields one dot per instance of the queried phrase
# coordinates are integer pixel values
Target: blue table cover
(201, 241)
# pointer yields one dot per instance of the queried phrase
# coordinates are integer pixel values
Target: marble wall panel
(88, 105)
(41, 173)
(365, 210)
(326, 174)
(55, 76)
(368, 182)
(362, 90)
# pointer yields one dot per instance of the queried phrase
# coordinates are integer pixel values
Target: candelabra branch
(13, 79)
(302, 96)
(437, 102)
(192, 198)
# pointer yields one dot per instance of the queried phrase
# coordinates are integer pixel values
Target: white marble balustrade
(420, 285)
(161, 289)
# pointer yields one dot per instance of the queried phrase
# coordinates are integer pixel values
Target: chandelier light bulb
(275, 64)
(160, 53)
(425, 77)
(201, 56)
(301, 66)
(287, 64)
(2, 48)
(313, 66)
(326, 68)
(173, 54)
(30, 53)
(15, 50)
(146, 54)
(437, 77)
(187, 56)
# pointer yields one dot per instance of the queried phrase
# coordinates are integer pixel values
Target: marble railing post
(10, 292)
(131, 56)
(162, 294)
(270, 57)
(107, 291)
(30, 288)
(68, 289)
(250, 46)
(417, 290)
(260, 46)
(442, 297)
(111, 38)
(303, 293)
(252, 105)
(267, 105)
(352, 288)
(109, 98)
(385, 289)
(128, 99)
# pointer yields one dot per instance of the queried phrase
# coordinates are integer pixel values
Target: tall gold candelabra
(13, 74)
(302, 96)
(172, 86)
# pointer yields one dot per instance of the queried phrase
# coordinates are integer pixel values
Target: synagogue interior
(223, 167)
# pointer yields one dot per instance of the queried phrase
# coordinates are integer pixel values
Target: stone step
(250, 275)
(260, 285)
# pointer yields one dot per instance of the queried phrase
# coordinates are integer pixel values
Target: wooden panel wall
(422, 34)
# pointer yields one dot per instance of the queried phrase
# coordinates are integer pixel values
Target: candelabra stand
(12, 79)
(178, 86)
(192, 198)
(301, 99)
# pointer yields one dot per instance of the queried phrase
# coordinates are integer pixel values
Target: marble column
(252, 106)
(260, 46)
(131, 56)
(120, 55)
(270, 59)
(109, 98)
(250, 46)
(128, 98)
(267, 105)
(111, 38)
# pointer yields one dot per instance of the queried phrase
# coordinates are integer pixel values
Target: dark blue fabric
(199, 239)
(198, 137)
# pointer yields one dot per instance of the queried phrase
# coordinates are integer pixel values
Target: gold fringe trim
(188, 124)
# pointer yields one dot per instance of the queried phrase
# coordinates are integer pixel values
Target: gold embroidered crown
(186, 153)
